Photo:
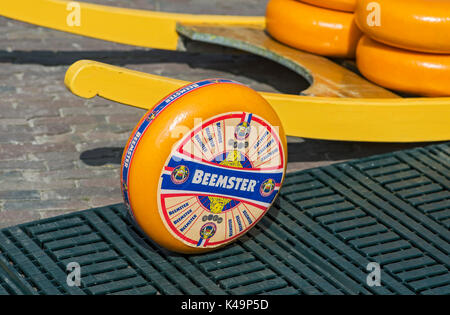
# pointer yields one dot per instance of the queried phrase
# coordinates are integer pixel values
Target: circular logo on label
(180, 174)
(227, 187)
(207, 231)
(267, 187)
(242, 131)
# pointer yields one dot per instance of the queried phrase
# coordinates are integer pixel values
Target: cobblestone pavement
(60, 153)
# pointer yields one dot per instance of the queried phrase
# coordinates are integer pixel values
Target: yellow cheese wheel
(341, 5)
(204, 165)
(404, 70)
(417, 25)
(312, 29)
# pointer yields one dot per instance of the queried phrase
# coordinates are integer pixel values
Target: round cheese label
(220, 179)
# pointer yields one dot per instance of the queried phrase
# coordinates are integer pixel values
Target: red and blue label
(221, 179)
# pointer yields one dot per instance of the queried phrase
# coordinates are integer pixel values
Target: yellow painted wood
(125, 26)
(326, 77)
(348, 119)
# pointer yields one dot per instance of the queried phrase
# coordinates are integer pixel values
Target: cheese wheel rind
(340, 5)
(403, 70)
(312, 29)
(197, 172)
(417, 25)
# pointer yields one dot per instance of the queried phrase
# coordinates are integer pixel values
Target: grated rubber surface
(326, 226)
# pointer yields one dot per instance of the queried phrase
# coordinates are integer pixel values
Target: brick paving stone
(8, 218)
(20, 195)
(35, 205)
(60, 153)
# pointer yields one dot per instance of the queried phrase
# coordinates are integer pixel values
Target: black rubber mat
(325, 228)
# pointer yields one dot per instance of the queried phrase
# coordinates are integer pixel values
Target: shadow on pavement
(236, 63)
(307, 150)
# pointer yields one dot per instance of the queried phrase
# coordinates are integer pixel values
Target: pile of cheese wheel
(403, 45)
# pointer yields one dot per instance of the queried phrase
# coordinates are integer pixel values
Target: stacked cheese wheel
(323, 27)
(406, 46)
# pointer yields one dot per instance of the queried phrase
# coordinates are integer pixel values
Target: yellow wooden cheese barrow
(338, 105)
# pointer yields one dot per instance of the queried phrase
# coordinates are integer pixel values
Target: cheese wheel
(313, 29)
(404, 70)
(204, 165)
(417, 25)
(341, 5)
